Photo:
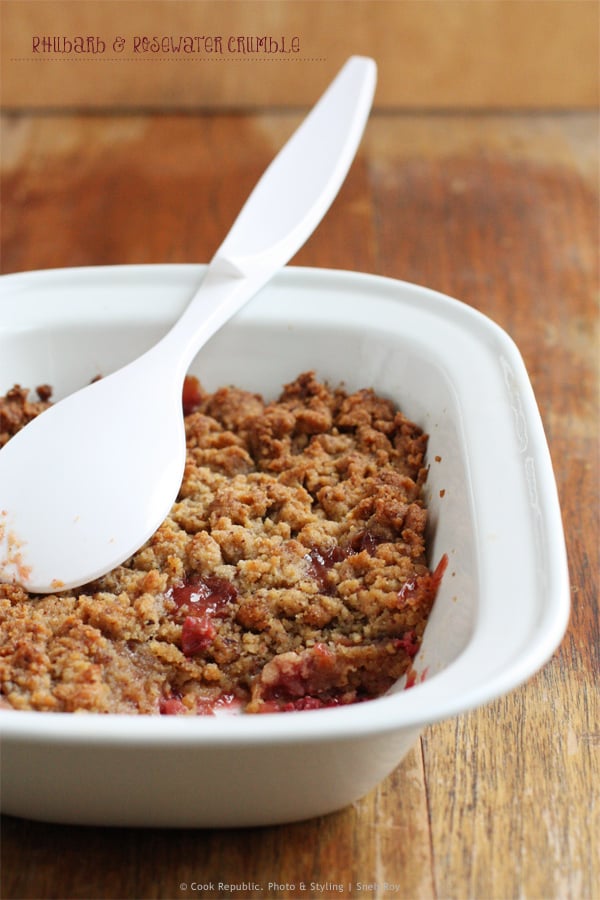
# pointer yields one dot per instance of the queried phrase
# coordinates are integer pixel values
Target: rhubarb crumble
(290, 574)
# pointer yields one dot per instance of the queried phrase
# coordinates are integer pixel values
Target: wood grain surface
(501, 211)
(443, 53)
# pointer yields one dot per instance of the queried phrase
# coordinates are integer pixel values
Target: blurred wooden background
(442, 54)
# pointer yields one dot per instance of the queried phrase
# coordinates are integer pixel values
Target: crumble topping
(16, 410)
(290, 573)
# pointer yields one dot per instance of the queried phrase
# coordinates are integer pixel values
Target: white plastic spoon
(85, 484)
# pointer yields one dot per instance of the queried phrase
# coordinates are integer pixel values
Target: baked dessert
(290, 574)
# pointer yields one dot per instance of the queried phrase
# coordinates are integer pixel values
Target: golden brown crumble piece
(290, 574)
(17, 410)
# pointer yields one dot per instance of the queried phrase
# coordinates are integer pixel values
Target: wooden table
(502, 212)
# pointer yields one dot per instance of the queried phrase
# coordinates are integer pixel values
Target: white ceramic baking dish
(503, 604)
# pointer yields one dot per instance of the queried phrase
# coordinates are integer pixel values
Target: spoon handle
(301, 182)
(287, 204)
